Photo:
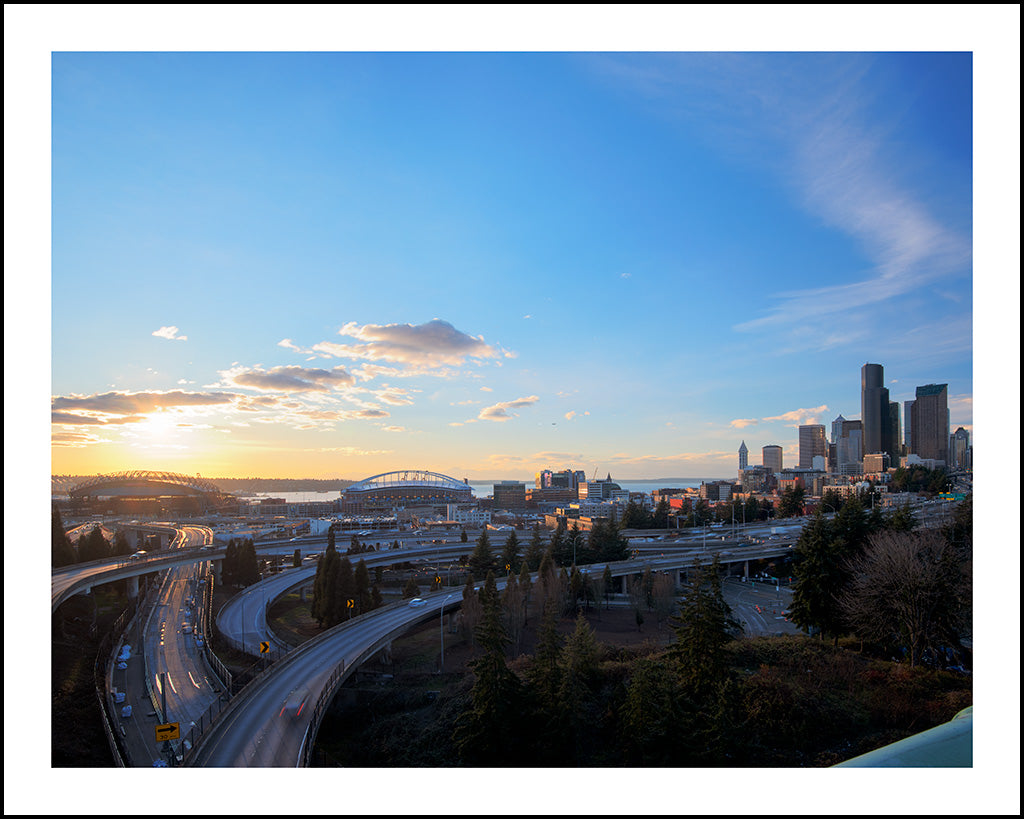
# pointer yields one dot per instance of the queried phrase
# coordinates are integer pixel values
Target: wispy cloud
(422, 346)
(130, 403)
(501, 410)
(170, 333)
(799, 417)
(288, 378)
(741, 423)
(809, 119)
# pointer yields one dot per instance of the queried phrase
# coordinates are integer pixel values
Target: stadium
(144, 492)
(404, 490)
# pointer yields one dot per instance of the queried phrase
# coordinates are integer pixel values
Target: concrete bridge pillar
(133, 587)
(216, 571)
(746, 570)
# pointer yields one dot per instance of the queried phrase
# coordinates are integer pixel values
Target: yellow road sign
(169, 731)
(264, 647)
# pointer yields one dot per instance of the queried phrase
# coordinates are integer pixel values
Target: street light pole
(441, 671)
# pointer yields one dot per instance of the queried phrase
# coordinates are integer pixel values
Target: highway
(257, 729)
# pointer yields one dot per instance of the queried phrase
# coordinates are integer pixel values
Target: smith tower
(874, 410)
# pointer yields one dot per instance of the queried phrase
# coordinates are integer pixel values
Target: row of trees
(240, 566)
(92, 546)
(551, 712)
(878, 578)
(565, 547)
(341, 591)
(701, 514)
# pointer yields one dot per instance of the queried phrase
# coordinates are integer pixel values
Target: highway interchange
(272, 722)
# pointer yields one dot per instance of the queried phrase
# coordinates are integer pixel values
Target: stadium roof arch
(406, 487)
(145, 483)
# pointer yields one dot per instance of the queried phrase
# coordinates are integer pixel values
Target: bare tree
(909, 589)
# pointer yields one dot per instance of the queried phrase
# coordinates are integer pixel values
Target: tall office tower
(743, 456)
(929, 423)
(837, 429)
(959, 446)
(542, 480)
(771, 457)
(908, 407)
(896, 448)
(812, 443)
(874, 409)
(849, 448)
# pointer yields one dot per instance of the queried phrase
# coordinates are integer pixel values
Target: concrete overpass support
(746, 570)
(216, 570)
(133, 587)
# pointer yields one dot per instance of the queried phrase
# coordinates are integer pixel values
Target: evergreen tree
(62, 553)
(471, 609)
(819, 564)
(510, 555)
(556, 547)
(576, 698)
(485, 734)
(609, 583)
(296, 558)
(535, 550)
(702, 629)
(248, 571)
(660, 520)
(791, 504)
(411, 590)
(324, 585)
(121, 546)
(649, 714)
(93, 546)
(344, 592)
(574, 544)
(364, 601)
(482, 561)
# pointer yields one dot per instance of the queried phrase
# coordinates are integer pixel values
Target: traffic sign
(169, 731)
(264, 647)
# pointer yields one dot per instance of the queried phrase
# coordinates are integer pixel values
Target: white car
(416, 602)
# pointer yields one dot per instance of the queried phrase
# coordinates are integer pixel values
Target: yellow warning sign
(264, 647)
(168, 731)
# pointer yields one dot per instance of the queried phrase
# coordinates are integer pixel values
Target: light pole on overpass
(449, 597)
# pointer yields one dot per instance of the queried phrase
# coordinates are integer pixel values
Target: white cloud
(420, 347)
(500, 411)
(799, 417)
(170, 333)
(289, 378)
(740, 423)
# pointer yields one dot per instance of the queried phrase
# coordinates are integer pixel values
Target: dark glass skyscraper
(874, 409)
(929, 422)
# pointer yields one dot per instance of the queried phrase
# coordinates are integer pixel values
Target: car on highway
(295, 702)
(139, 555)
(416, 602)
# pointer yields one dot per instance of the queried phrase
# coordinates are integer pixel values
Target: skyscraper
(812, 443)
(743, 455)
(895, 448)
(929, 423)
(874, 409)
(960, 448)
(771, 457)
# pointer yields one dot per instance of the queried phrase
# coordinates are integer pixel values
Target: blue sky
(334, 264)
